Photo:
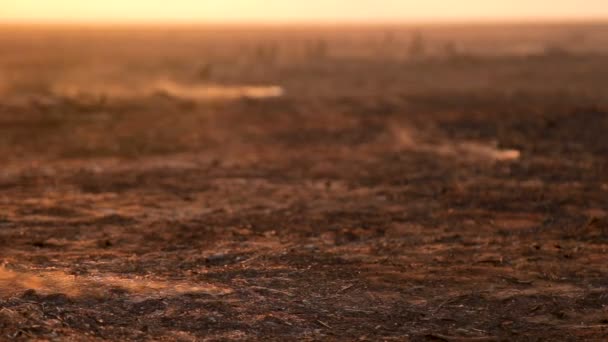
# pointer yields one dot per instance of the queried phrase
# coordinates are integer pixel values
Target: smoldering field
(304, 183)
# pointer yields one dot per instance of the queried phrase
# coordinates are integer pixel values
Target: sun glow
(134, 11)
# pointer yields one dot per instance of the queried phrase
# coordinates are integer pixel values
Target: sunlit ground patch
(14, 282)
(477, 150)
(195, 92)
(407, 139)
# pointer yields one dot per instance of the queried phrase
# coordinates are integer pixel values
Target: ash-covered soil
(377, 211)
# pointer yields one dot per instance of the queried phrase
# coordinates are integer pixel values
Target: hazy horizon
(312, 11)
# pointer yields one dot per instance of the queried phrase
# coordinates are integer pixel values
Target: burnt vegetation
(388, 183)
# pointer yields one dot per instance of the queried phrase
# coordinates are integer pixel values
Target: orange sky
(133, 11)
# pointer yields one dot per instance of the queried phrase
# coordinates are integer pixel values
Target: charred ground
(389, 194)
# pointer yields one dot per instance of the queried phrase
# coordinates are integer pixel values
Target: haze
(201, 11)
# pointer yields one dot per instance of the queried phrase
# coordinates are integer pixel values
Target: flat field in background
(328, 183)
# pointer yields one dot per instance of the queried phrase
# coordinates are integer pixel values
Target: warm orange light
(287, 10)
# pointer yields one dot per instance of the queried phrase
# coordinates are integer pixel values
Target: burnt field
(380, 183)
